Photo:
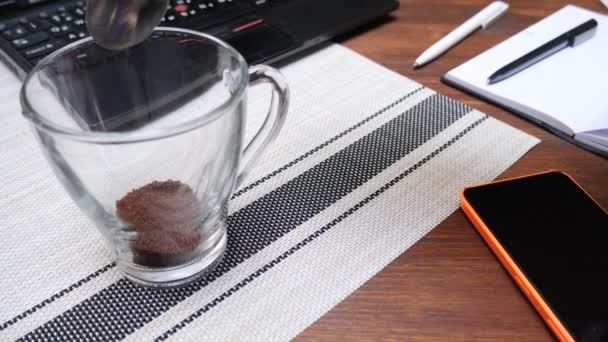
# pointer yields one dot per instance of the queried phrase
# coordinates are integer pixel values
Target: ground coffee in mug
(166, 217)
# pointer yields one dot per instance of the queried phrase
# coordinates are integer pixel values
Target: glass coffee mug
(148, 142)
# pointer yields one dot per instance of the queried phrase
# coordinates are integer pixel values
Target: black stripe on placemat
(123, 307)
(102, 270)
(57, 295)
(320, 147)
(259, 272)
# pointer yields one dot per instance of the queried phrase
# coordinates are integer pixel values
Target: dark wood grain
(449, 286)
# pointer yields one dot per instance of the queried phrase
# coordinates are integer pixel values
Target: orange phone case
(526, 286)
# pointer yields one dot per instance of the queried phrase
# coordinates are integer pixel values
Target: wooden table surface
(449, 286)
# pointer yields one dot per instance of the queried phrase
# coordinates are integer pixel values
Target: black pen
(571, 38)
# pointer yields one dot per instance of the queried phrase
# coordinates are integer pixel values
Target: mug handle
(274, 119)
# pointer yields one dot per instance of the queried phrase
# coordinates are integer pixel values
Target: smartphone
(552, 238)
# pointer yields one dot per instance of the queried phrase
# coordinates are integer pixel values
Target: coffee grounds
(166, 215)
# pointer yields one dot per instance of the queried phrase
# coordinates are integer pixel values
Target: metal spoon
(120, 24)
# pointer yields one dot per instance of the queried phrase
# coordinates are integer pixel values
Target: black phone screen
(558, 236)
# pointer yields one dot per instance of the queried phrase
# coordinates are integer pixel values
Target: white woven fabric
(52, 260)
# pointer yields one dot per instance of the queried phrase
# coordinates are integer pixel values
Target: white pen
(483, 19)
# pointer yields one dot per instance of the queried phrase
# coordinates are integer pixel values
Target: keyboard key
(43, 15)
(7, 25)
(59, 31)
(42, 49)
(23, 21)
(79, 22)
(44, 24)
(210, 14)
(56, 19)
(79, 12)
(10, 23)
(16, 32)
(72, 36)
(30, 40)
(32, 26)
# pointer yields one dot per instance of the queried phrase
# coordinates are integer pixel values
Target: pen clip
(496, 10)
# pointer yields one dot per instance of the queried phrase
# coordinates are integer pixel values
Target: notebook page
(569, 86)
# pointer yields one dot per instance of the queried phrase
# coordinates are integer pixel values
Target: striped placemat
(367, 164)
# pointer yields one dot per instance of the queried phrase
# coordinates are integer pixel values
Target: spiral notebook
(565, 93)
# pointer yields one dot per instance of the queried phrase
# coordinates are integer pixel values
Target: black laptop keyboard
(37, 35)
